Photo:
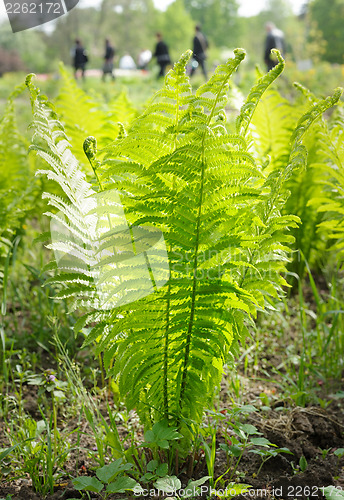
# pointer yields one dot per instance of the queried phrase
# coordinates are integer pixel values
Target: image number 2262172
(24, 15)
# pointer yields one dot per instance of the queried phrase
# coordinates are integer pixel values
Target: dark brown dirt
(305, 432)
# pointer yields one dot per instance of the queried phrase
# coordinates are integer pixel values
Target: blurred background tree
(218, 19)
(26, 51)
(177, 27)
(328, 16)
(315, 35)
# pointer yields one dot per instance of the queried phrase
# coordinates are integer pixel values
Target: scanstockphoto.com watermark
(290, 491)
(127, 263)
(26, 14)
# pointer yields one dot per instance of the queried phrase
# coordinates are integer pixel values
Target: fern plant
(307, 188)
(84, 115)
(331, 201)
(176, 184)
(272, 128)
(16, 180)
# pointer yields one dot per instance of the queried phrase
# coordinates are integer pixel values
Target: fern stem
(94, 168)
(166, 344)
(168, 301)
(151, 275)
(195, 262)
(193, 296)
(90, 150)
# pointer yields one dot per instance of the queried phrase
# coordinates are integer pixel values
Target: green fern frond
(176, 189)
(84, 116)
(271, 127)
(17, 186)
(329, 203)
(255, 95)
(200, 194)
(315, 112)
(71, 230)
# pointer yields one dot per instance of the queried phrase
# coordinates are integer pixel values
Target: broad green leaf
(163, 432)
(163, 443)
(149, 437)
(168, 484)
(88, 484)
(121, 484)
(261, 442)
(285, 450)
(235, 450)
(234, 489)
(162, 470)
(249, 429)
(333, 493)
(303, 463)
(152, 465)
(193, 486)
(261, 453)
(109, 472)
(148, 476)
(198, 482)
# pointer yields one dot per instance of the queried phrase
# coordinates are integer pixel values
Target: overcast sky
(247, 7)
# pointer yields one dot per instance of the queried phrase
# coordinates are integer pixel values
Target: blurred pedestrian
(274, 40)
(144, 57)
(200, 45)
(108, 60)
(127, 62)
(80, 59)
(162, 55)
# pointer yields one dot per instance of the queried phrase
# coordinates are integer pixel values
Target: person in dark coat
(162, 55)
(274, 40)
(200, 45)
(80, 59)
(108, 60)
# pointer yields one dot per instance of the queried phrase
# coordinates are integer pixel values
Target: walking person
(108, 60)
(274, 40)
(127, 62)
(80, 59)
(144, 57)
(200, 45)
(162, 55)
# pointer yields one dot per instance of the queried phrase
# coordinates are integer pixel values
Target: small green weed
(333, 493)
(39, 453)
(112, 477)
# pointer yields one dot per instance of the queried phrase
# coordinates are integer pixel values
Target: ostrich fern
(178, 173)
(83, 115)
(331, 165)
(272, 127)
(16, 179)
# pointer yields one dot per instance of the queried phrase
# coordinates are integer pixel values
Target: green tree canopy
(177, 27)
(29, 46)
(329, 15)
(219, 20)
